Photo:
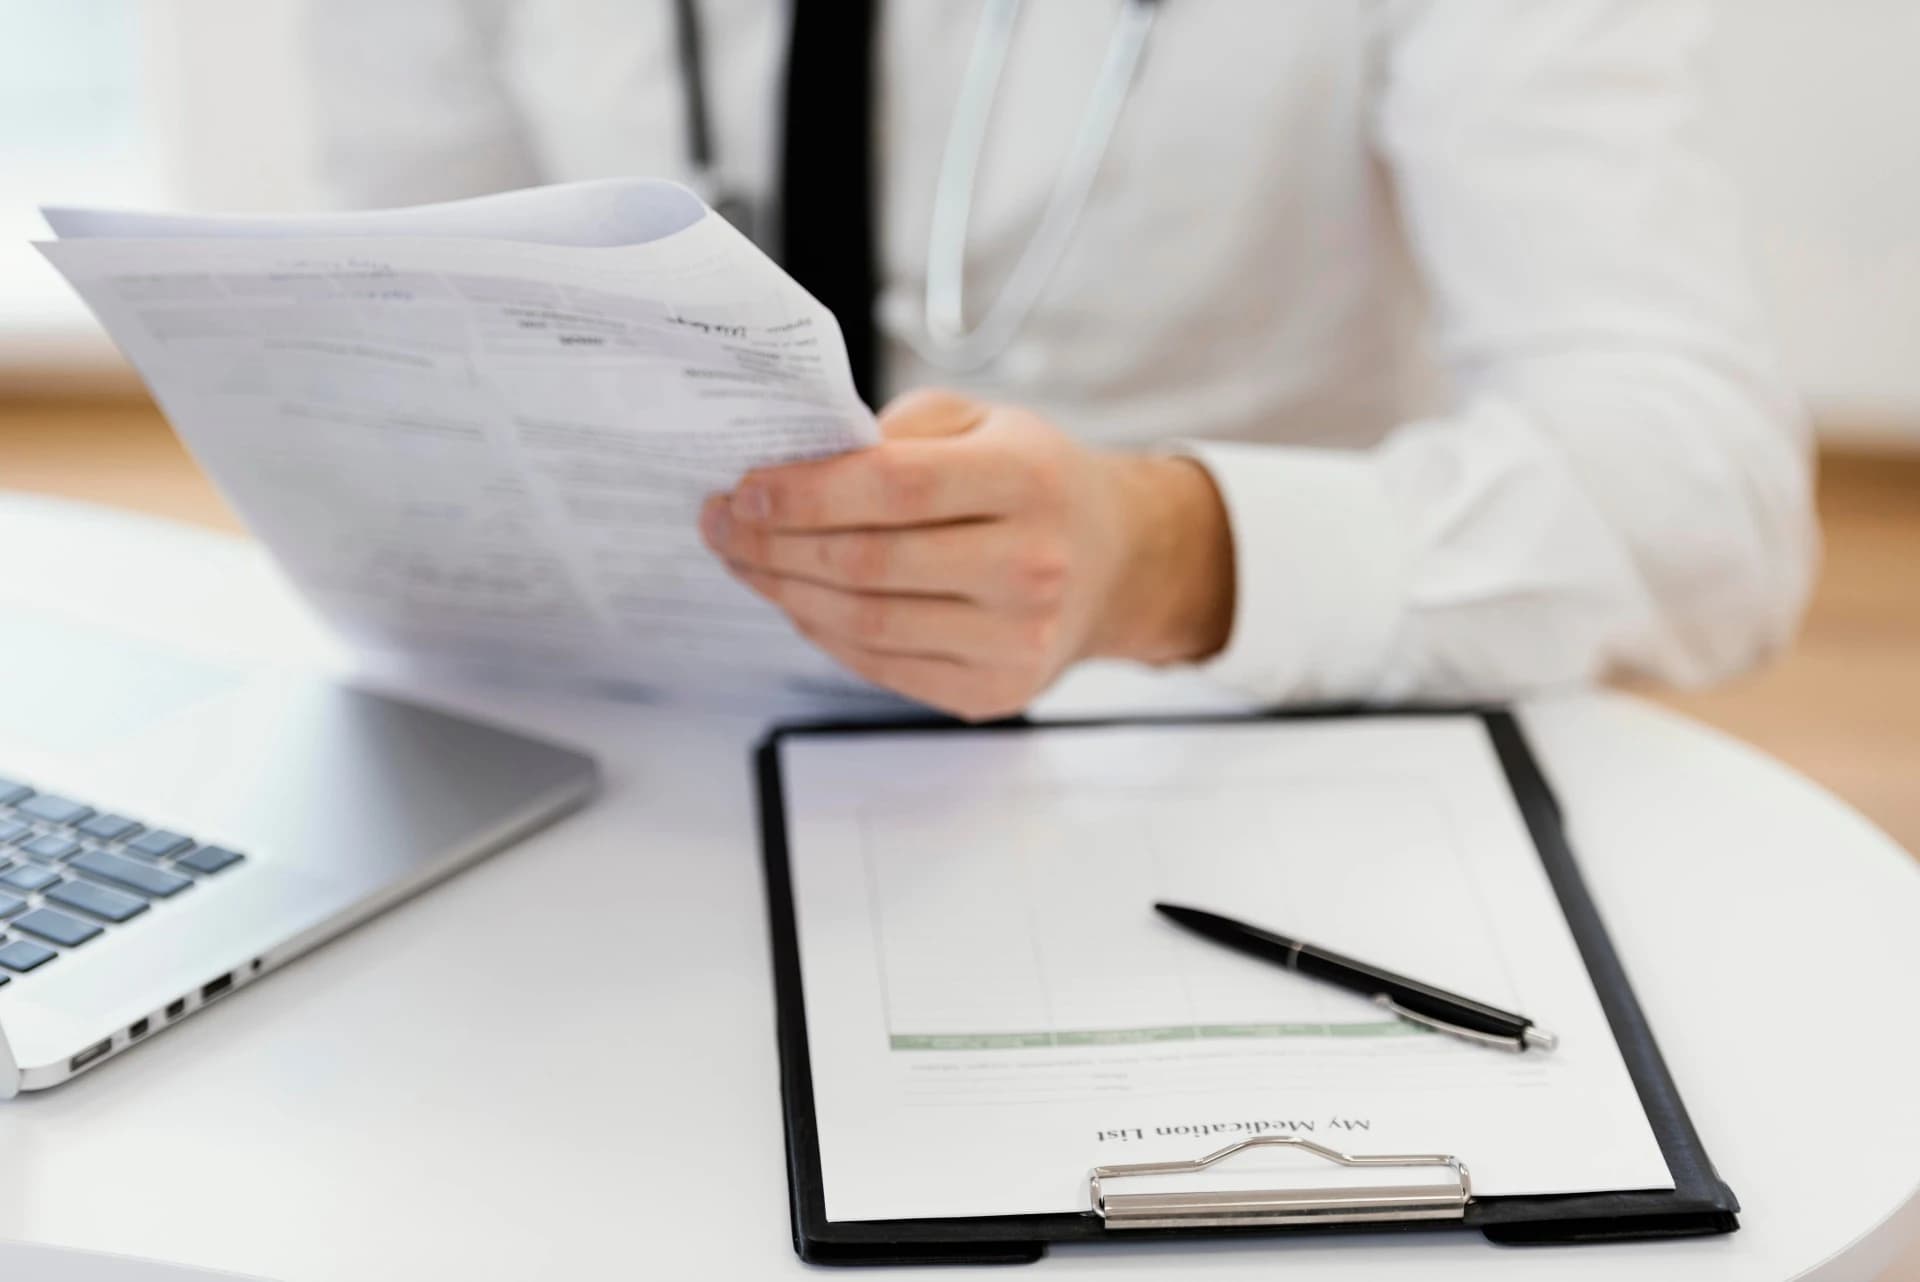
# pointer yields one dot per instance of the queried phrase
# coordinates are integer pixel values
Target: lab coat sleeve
(409, 101)
(1621, 483)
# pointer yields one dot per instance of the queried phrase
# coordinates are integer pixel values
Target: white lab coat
(1441, 293)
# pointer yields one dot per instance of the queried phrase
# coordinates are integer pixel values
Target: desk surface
(404, 1104)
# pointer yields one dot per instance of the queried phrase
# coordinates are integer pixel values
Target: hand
(978, 551)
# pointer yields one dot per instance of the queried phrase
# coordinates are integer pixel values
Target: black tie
(826, 188)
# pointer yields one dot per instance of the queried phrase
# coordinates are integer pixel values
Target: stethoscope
(949, 341)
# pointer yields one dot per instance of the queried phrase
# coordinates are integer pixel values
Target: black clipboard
(1700, 1202)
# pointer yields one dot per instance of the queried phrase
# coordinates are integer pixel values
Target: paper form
(993, 1007)
(483, 430)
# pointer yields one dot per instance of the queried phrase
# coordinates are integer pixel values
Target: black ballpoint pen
(1435, 1008)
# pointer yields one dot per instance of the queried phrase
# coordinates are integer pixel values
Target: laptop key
(11, 830)
(23, 955)
(51, 846)
(10, 904)
(131, 873)
(210, 859)
(28, 877)
(98, 901)
(109, 827)
(57, 928)
(158, 843)
(54, 810)
(12, 790)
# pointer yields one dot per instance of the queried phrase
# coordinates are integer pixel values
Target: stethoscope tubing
(948, 341)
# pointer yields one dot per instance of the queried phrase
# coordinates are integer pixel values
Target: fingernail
(752, 503)
(715, 523)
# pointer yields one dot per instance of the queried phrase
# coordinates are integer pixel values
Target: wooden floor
(1843, 706)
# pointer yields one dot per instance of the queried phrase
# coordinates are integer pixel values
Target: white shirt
(1440, 293)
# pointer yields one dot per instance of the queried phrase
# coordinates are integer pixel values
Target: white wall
(1816, 115)
(218, 120)
(71, 130)
(1814, 109)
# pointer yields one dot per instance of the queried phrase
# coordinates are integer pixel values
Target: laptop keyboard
(69, 873)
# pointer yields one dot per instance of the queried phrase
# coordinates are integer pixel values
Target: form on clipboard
(996, 1042)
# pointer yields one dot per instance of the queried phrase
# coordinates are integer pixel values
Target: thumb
(930, 411)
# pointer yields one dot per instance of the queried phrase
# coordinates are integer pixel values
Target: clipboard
(1700, 1203)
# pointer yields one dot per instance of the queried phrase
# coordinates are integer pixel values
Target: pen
(1436, 1008)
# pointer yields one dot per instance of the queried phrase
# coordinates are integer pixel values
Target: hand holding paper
(980, 551)
(482, 430)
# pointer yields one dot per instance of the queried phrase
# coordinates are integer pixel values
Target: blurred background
(201, 104)
(1813, 112)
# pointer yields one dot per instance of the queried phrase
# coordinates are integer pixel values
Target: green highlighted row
(1137, 1036)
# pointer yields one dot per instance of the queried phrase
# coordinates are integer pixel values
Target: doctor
(1368, 350)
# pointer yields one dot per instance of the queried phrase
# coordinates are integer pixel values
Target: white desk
(409, 1103)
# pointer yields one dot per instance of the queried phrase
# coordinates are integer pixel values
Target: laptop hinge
(9, 1071)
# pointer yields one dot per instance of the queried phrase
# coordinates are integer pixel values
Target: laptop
(173, 829)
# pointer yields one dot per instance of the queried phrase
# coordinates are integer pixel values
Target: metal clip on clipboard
(1252, 1208)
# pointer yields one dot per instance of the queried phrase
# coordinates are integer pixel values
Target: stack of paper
(482, 430)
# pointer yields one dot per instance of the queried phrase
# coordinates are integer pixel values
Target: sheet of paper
(993, 1007)
(482, 430)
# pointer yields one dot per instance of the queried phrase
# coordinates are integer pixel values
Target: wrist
(1173, 597)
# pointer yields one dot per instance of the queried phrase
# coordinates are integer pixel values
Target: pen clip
(1544, 1040)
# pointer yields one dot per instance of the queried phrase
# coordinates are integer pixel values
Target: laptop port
(137, 1030)
(176, 1009)
(96, 1051)
(214, 987)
